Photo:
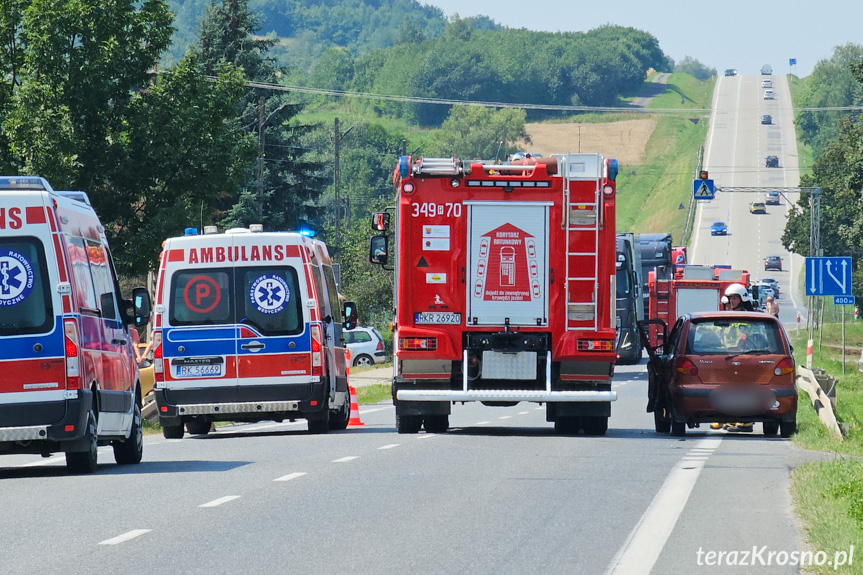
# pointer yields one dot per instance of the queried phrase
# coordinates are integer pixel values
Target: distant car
(148, 376)
(760, 292)
(766, 119)
(769, 95)
(767, 83)
(726, 367)
(731, 72)
(773, 263)
(366, 346)
(773, 284)
(718, 229)
(766, 70)
(772, 199)
(757, 208)
(771, 161)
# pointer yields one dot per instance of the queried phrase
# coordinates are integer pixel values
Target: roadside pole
(843, 339)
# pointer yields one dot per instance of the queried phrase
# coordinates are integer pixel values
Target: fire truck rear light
(69, 428)
(418, 343)
(784, 367)
(595, 345)
(608, 190)
(408, 188)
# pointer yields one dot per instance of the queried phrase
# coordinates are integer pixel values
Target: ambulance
(68, 377)
(249, 328)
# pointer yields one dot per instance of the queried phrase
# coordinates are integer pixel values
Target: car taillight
(317, 346)
(595, 345)
(784, 367)
(418, 343)
(685, 366)
(380, 346)
(70, 333)
(158, 357)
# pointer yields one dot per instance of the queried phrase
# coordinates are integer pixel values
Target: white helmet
(738, 290)
(724, 300)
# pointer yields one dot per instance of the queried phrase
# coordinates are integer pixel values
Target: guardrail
(823, 401)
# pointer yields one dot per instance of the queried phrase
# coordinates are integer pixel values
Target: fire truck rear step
(504, 395)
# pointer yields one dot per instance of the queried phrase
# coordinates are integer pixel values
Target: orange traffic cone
(347, 362)
(355, 410)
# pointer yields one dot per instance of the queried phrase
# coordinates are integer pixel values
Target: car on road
(731, 72)
(766, 70)
(771, 161)
(726, 367)
(772, 283)
(772, 198)
(767, 83)
(769, 95)
(766, 119)
(773, 263)
(757, 208)
(366, 345)
(760, 292)
(718, 229)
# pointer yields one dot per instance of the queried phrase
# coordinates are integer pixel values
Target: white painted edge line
(505, 417)
(426, 435)
(346, 459)
(523, 412)
(125, 537)
(220, 501)
(642, 548)
(48, 461)
(482, 423)
(389, 446)
(540, 407)
(386, 408)
(290, 476)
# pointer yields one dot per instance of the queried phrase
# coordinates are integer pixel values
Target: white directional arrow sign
(828, 276)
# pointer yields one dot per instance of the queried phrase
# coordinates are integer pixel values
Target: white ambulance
(249, 328)
(68, 377)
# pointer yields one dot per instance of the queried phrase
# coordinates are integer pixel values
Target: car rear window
(723, 336)
(25, 295)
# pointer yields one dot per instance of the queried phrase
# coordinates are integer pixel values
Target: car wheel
(363, 360)
(678, 428)
(787, 428)
(661, 422)
(409, 423)
(595, 424)
(436, 423)
(198, 427)
(131, 450)
(80, 462)
(173, 431)
(771, 428)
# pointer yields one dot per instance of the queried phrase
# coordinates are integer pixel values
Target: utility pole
(337, 139)
(261, 132)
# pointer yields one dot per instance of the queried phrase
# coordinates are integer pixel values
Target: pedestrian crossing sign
(703, 189)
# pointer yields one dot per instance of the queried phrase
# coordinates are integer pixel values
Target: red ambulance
(68, 377)
(249, 328)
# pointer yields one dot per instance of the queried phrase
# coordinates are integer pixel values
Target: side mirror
(351, 318)
(380, 221)
(142, 306)
(378, 250)
(754, 291)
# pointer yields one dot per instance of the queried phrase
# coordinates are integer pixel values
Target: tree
(477, 132)
(694, 68)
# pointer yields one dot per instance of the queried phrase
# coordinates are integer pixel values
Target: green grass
(649, 195)
(374, 393)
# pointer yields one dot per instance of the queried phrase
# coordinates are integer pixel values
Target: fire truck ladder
(582, 222)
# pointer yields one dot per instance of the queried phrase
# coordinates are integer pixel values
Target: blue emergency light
(190, 232)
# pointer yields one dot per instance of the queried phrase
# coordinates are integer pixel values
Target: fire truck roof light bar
(507, 183)
(505, 395)
(438, 167)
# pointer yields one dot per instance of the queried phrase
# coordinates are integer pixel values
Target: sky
(720, 34)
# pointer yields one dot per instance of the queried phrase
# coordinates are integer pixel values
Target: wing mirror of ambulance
(380, 221)
(378, 250)
(142, 308)
(350, 315)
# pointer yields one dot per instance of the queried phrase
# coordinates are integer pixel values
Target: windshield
(25, 298)
(724, 336)
(623, 286)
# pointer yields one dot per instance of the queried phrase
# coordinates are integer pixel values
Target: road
(500, 493)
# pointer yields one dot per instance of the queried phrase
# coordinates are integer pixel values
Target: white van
(249, 328)
(766, 70)
(70, 381)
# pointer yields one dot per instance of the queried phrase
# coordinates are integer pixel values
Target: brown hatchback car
(725, 367)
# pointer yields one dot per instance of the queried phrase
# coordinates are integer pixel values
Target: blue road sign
(828, 276)
(843, 300)
(703, 189)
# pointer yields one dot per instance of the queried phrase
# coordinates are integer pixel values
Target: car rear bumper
(709, 403)
(44, 437)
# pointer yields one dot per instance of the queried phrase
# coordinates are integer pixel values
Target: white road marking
(523, 412)
(346, 459)
(641, 549)
(540, 407)
(482, 423)
(505, 417)
(426, 436)
(220, 501)
(390, 446)
(48, 461)
(290, 476)
(125, 537)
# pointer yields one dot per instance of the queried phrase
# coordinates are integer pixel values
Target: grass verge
(828, 495)
(374, 393)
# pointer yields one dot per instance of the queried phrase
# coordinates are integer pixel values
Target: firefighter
(738, 298)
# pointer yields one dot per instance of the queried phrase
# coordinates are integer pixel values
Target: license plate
(214, 370)
(437, 317)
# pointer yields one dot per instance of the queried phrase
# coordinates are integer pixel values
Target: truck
(694, 289)
(630, 305)
(656, 250)
(504, 287)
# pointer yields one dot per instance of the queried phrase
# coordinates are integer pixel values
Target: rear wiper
(748, 352)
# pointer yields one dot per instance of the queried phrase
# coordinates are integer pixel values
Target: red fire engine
(692, 289)
(504, 287)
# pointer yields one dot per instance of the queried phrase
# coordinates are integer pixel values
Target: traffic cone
(347, 361)
(355, 409)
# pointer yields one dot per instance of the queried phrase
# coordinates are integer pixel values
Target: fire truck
(693, 288)
(504, 287)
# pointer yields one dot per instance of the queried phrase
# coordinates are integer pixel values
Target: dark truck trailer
(630, 306)
(655, 255)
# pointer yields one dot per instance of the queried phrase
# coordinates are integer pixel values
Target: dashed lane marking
(220, 501)
(290, 476)
(125, 537)
(390, 446)
(346, 459)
